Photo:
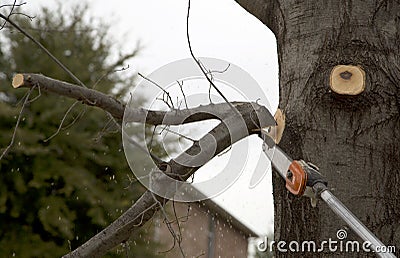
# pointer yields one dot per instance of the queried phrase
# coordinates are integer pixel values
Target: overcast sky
(219, 29)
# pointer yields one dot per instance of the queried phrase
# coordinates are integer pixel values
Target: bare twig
(113, 68)
(180, 135)
(178, 223)
(125, 57)
(209, 94)
(150, 144)
(200, 65)
(155, 158)
(186, 217)
(183, 93)
(177, 238)
(13, 5)
(50, 30)
(107, 129)
(62, 122)
(16, 125)
(140, 147)
(22, 14)
(221, 71)
(43, 48)
(161, 88)
(37, 97)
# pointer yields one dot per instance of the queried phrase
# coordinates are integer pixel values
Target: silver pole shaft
(355, 224)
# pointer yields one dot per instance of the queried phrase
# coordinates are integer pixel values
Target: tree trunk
(354, 139)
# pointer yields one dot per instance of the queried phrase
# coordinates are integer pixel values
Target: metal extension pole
(355, 224)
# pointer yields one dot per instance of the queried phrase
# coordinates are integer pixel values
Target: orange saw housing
(296, 178)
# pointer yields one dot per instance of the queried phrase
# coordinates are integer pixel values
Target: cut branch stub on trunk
(347, 79)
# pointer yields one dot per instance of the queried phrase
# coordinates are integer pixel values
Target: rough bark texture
(355, 140)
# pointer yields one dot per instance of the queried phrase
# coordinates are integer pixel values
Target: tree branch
(87, 96)
(116, 109)
(225, 134)
(265, 11)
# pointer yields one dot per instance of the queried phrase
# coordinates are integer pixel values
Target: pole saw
(304, 179)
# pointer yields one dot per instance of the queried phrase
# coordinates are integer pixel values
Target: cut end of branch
(18, 80)
(277, 131)
(347, 79)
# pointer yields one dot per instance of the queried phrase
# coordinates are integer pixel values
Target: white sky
(219, 29)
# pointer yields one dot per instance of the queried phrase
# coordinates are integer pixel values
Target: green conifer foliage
(57, 192)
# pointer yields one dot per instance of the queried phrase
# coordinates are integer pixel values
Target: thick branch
(263, 10)
(116, 108)
(87, 96)
(225, 134)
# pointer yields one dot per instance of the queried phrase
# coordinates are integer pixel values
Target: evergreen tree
(58, 191)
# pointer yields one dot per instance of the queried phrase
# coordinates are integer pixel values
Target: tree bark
(353, 139)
